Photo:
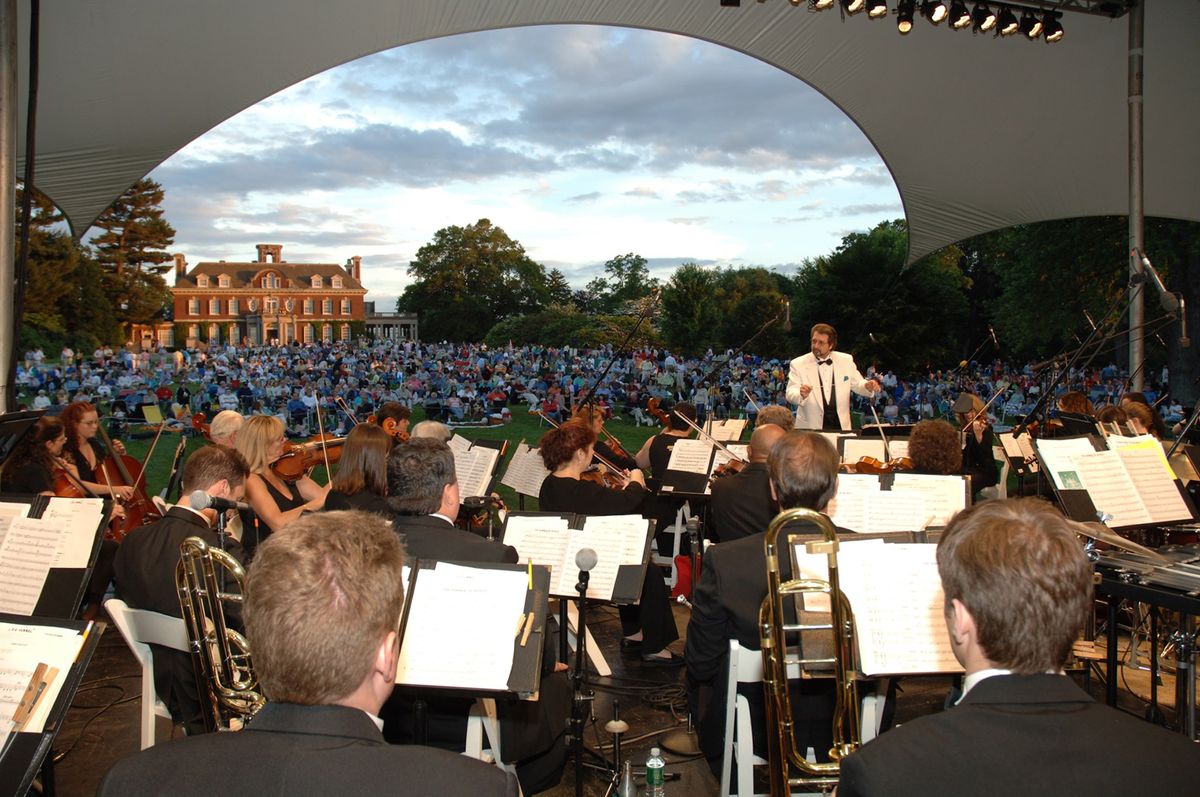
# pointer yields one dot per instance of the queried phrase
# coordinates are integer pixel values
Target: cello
(123, 470)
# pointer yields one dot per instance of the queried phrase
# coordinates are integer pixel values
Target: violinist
(393, 418)
(978, 460)
(275, 502)
(29, 469)
(81, 424)
(609, 449)
(224, 428)
(362, 481)
(934, 449)
(655, 454)
(742, 504)
(567, 451)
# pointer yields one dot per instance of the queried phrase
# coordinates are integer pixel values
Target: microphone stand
(685, 741)
(581, 704)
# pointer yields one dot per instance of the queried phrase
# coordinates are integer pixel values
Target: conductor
(820, 383)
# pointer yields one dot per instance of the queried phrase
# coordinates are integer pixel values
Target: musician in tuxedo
(423, 492)
(820, 383)
(1018, 588)
(144, 568)
(322, 611)
(803, 469)
(742, 504)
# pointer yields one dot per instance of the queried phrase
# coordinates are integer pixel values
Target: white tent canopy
(979, 133)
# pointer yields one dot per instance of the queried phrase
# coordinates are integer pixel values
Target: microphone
(585, 559)
(1167, 300)
(1088, 316)
(1184, 340)
(787, 318)
(202, 500)
(992, 332)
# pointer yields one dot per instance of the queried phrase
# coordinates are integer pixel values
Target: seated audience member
(423, 492)
(803, 467)
(322, 612)
(742, 504)
(144, 568)
(1018, 588)
(224, 427)
(432, 429)
(934, 448)
(361, 479)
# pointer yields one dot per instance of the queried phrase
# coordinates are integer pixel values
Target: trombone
(220, 654)
(784, 753)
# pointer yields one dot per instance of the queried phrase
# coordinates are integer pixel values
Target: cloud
(584, 199)
(696, 220)
(871, 209)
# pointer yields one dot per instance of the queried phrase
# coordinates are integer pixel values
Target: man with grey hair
(224, 427)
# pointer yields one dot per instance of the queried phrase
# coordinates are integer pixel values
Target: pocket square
(845, 379)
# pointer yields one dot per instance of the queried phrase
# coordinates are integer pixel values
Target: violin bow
(321, 433)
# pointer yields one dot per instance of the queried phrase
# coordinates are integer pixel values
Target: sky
(581, 142)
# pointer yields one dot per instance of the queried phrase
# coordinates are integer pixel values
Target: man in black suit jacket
(144, 569)
(742, 504)
(1018, 589)
(322, 611)
(733, 582)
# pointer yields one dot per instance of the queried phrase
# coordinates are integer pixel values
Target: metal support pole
(1137, 305)
(8, 189)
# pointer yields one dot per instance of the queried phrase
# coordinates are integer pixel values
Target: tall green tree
(468, 278)
(691, 318)
(558, 290)
(626, 280)
(134, 233)
(53, 257)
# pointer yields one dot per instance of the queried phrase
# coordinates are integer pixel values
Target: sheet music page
(73, 512)
(1154, 482)
(8, 511)
(474, 468)
(1109, 486)
(691, 456)
(22, 648)
(848, 509)
(855, 448)
(897, 599)
(897, 510)
(458, 444)
(1149, 441)
(816, 565)
(728, 430)
(945, 496)
(526, 471)
(1019, 448)
(542, 540)
(898, 446)
(1058, 456)
(29, 551)
(483, 607)
(617, 540)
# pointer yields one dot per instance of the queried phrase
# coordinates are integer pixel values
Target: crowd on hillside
(464, 383)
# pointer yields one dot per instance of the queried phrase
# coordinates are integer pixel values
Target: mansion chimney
(354, 266)
(270, 253)
(180, 264)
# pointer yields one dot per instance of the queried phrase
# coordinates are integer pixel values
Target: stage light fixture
(1031, 26)
(959, 16)
(1007, 22)
(934, 11)
(1053, 28)
(904, 15)
(853, 6)
(876, 9)
(983, 18)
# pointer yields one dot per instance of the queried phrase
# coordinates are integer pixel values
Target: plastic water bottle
(627, 789)
(655, 769)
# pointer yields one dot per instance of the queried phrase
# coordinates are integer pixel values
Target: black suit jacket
(429, 537)
(144, 577)
(289, 749)
(1031, 735)
(742, 504)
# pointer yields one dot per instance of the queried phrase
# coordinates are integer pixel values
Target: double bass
(122, 470)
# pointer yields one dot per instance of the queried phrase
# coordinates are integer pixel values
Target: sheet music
(540, 539)
(22, 648)
(526, 471)
(483, 607)
(816, 565)
(690, 456)
(898, 604)
(726, 431)
(1111, 491)
(546, 540)
(1154, 481)
(458, 444)
(29, 551)
(474, 468)
(72, 512)
(848, 509)
(855, 448)
(1019, 448)
(1058, 457)
(860, 505)
(945, 496)
(8, 511)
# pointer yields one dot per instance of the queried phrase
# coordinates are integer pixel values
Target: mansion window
(271, 305)
(214, 306)
(327, 332)
(337, 282)
(345, 307)
(345, 332)
(193, 307)
(233, 306)
(327, 307)
(308, 333)
(308, 306)
(202, 281)
(223, 281)
(317, 282)
(270, 281)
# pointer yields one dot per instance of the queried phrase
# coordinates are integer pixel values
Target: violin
(728, 469)
(299, 458)
(605, 478)
(876, 467)
(199, 424)
(652, 407)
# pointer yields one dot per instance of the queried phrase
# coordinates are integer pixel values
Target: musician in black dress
(978, 459)
(81, 423)
(275, 502)
(362, 480)
(567, 452)
(29, 469)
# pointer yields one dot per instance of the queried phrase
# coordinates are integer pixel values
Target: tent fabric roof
(978, 133)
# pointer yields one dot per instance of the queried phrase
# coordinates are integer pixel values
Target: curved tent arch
(928, 102)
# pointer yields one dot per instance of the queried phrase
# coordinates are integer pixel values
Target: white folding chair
(140, 629)
(676, 530)
(1002, 485)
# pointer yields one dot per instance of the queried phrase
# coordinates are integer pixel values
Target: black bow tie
(825, 362)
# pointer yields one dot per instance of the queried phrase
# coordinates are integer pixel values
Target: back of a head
(393, 411)
(763, 440)
(224, 425)
(321, 595)
(777, 415)
(1020, 570)
(557, 446)
(363, 464)
(208, 465)
(803, 468)
(418, 471)
(935, 447)
(435, 430)
(681, 410)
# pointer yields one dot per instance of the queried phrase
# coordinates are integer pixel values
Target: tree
(626, 279)
(691, 318)
(468, 278)
(135, 234)
(558, 290)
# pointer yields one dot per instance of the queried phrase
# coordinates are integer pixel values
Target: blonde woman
(275, 502)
